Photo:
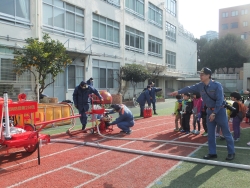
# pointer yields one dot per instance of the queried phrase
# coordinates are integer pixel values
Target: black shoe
(83, 127)
(222, 137)
(210, 156)
(122, 131)
(230, 157)
(155, 113)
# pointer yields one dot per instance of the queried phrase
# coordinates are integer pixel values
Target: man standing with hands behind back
(213, 96)
(152, 94)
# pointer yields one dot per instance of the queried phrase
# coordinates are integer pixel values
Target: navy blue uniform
(153, 96)
(144, 96)
(89, 82)
(81, 101)
(215, 91)
(125, 119)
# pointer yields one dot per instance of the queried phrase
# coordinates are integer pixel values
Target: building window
(235, 13)
(113, 2)
(244, 11)
(106, 31)
(7, 70)
(15, 12)
(245, 24)
(243, 36)
(170, 32)
(171, 7)
(135, 7)
(134, 40)
(171, 59)
(155, 15)
(105, 74)
(154, 46)
(224, 14)
(234, 25)
(224, 26)
(63, 18)
(75, 75)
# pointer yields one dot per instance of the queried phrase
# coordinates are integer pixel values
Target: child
(177, 110)
(204, 118)
(197, 102)
(187, 106)
(236, 120)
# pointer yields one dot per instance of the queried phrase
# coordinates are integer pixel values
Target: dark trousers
(84, 117)
(154, 108)
(236, 127)
(196, 120)
(185, 122)
(142, 106)
(204, 122)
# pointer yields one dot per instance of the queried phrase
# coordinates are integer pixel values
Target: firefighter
(125, 119)
(81, 100)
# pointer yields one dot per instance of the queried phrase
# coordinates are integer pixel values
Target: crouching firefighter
(125, 119)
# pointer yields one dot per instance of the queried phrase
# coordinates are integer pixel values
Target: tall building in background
(235, 20)
(210, 35)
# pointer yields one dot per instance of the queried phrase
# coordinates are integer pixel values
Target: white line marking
(82, 171)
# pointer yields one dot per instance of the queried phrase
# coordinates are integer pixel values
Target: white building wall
(185, 49)
(246, 77)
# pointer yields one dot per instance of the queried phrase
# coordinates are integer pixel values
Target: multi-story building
(235, 20)
(210, 35)
(100, 36)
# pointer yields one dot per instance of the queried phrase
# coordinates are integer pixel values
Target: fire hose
(154, 154)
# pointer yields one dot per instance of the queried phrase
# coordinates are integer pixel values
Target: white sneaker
(217, 135)
(248, 143)
(193, 131)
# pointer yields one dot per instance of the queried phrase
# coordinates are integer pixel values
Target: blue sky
(199, 16)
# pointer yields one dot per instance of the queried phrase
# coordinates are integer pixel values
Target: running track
(70, 165)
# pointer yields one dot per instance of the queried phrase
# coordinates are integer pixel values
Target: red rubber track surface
(70, 165)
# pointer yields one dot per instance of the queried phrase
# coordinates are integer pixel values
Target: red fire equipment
(14, 135)
(147, 112)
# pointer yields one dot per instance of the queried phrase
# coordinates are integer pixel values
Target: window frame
(156, 11)
(77, 79)
(16, 20)
(157, 42)
(234, 25)
(136, 7)
(245, 24)
(170, 32)
(136, 34)
(172, 56)
(171, 7)
(107, 66)
(234, 13)
(64, 31)
(244, 12)
(224, 26)
(224, 14)
(111, 2)
(107, 25)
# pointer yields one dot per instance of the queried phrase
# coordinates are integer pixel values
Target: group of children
(185, 107)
